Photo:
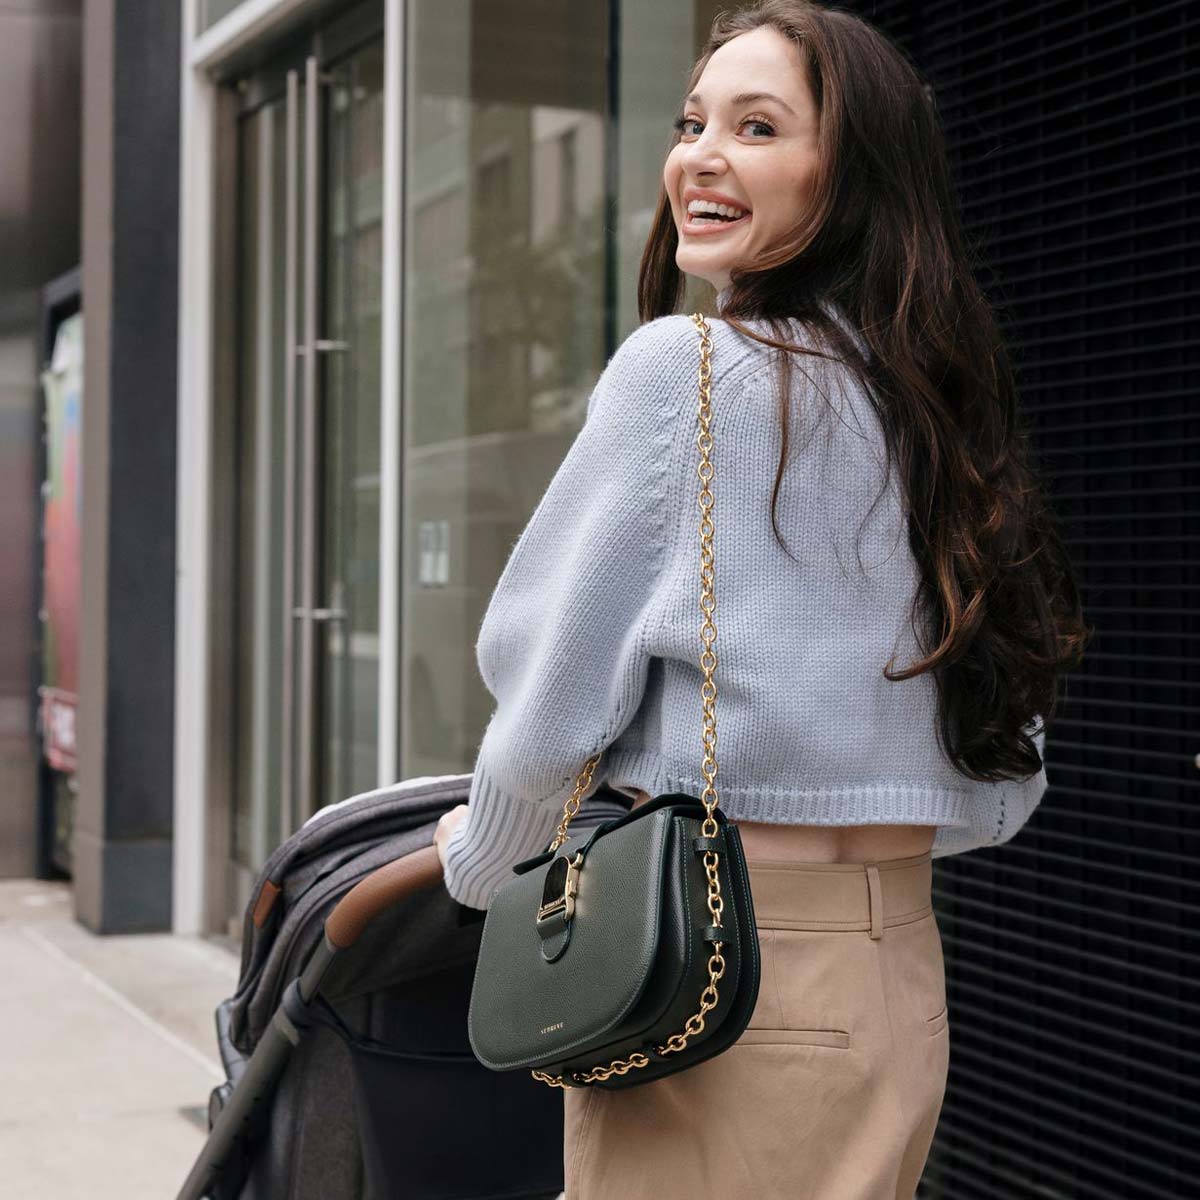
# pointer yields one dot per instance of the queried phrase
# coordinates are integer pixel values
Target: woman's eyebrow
(746, 98)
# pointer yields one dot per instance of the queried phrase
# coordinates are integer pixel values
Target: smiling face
(758, 155)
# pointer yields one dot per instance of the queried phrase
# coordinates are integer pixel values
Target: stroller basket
(351, 1075)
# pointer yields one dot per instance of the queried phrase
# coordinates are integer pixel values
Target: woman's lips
(704, 226)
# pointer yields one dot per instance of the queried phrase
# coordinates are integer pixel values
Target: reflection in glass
(504, 321)
(257, 700)
(349, 429)
(209, 12)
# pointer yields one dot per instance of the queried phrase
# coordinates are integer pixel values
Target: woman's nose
(703, 156)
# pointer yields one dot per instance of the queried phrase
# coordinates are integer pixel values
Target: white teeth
(708, 206)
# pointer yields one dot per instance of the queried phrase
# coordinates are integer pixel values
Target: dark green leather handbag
(618, 957)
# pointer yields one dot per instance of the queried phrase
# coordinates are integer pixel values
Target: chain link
(708, 692)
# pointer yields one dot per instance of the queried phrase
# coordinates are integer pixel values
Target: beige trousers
(833, 1090)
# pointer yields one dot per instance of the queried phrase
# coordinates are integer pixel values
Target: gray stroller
(350, 1074)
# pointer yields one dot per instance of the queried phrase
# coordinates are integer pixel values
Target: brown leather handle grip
(415, 872)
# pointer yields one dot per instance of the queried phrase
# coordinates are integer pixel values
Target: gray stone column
(122, 845)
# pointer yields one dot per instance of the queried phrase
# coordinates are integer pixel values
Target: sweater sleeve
(561, 647)
(1000, 809)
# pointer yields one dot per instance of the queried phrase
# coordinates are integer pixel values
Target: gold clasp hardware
(561, 887)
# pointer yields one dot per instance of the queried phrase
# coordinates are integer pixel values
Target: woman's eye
(682, 123)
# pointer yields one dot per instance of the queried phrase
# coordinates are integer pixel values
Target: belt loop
(876, 895)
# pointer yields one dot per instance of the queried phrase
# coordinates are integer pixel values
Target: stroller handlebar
(415, 872)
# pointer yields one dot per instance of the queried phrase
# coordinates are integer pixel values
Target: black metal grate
(1072, 951)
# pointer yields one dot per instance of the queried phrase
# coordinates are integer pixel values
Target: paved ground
(107, 1052)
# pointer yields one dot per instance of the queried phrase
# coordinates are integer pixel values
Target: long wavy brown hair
(997, 612)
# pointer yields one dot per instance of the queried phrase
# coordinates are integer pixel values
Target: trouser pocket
(805, 989)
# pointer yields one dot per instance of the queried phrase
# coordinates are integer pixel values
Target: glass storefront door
(308, 418)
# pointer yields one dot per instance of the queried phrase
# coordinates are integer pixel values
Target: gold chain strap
(708, 692)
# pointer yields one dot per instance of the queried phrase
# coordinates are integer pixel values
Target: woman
(836, 249)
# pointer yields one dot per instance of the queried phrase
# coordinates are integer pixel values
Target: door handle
(329, 614)
(320, 614)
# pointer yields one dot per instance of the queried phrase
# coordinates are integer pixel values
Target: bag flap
(524, 1009)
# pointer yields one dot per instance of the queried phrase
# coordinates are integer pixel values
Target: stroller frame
(290, 959)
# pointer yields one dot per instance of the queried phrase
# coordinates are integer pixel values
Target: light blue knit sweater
(591, 639)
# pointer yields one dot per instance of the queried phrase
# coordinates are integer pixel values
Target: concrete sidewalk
(107, 1052)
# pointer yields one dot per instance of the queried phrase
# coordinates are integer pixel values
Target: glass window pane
(505, 310)
(258, 696)
(524, 231)
(350, 427)
(209, 12)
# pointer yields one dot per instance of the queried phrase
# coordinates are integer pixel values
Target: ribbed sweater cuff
(499, 830)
